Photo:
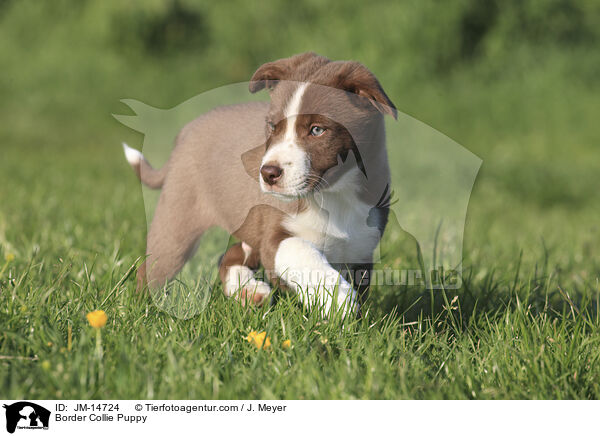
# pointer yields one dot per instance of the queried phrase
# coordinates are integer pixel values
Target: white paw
(242, 285)
(254, 292)
(340, 296)
(304, 268)
(348, 303)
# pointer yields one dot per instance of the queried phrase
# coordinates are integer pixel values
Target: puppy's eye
(317, 130)
(270, 126)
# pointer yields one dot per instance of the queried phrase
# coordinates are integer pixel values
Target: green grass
(74, 219)
(520, 349)
(525, 324)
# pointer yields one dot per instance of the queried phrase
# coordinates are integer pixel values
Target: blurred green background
(514, 81)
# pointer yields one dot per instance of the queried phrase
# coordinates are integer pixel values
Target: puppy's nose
(271, 173)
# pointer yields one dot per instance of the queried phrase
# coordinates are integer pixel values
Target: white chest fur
(336, 223)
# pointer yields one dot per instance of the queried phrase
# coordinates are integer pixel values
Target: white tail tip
(133, 156)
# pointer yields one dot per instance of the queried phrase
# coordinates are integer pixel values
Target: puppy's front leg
(236, 271)
(306, 270)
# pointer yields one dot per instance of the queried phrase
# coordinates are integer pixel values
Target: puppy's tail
(149, 176)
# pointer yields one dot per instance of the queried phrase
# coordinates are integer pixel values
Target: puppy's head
(317, 106)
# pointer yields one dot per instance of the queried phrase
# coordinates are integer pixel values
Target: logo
(423, 196)
(26, 415)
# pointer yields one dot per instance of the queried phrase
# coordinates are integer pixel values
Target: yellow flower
(286, 344)
(97, 318)
(260, 340)
(9, 257)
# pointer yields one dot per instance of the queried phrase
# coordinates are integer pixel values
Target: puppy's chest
(338, 228)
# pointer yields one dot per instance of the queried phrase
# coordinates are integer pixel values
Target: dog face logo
(423, 193)
(26, 415)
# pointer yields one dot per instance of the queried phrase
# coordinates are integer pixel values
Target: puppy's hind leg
(236, 272)
(171, 242)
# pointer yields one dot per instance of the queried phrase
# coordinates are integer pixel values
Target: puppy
(299, 181)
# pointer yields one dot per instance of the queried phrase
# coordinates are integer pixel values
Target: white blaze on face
(287, 154)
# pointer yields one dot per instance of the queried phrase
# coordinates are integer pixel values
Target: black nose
(271, 173)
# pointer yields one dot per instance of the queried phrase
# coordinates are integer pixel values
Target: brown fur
(200, 190)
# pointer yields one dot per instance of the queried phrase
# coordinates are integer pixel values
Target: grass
(513, 351)
(524, 325)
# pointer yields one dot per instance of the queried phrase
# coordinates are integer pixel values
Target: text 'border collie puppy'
(314, 215)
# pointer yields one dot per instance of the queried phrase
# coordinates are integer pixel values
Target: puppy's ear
(268, 75)
(356, 78)
(296, 68)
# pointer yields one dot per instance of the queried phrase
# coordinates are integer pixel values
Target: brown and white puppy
(317, 152)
